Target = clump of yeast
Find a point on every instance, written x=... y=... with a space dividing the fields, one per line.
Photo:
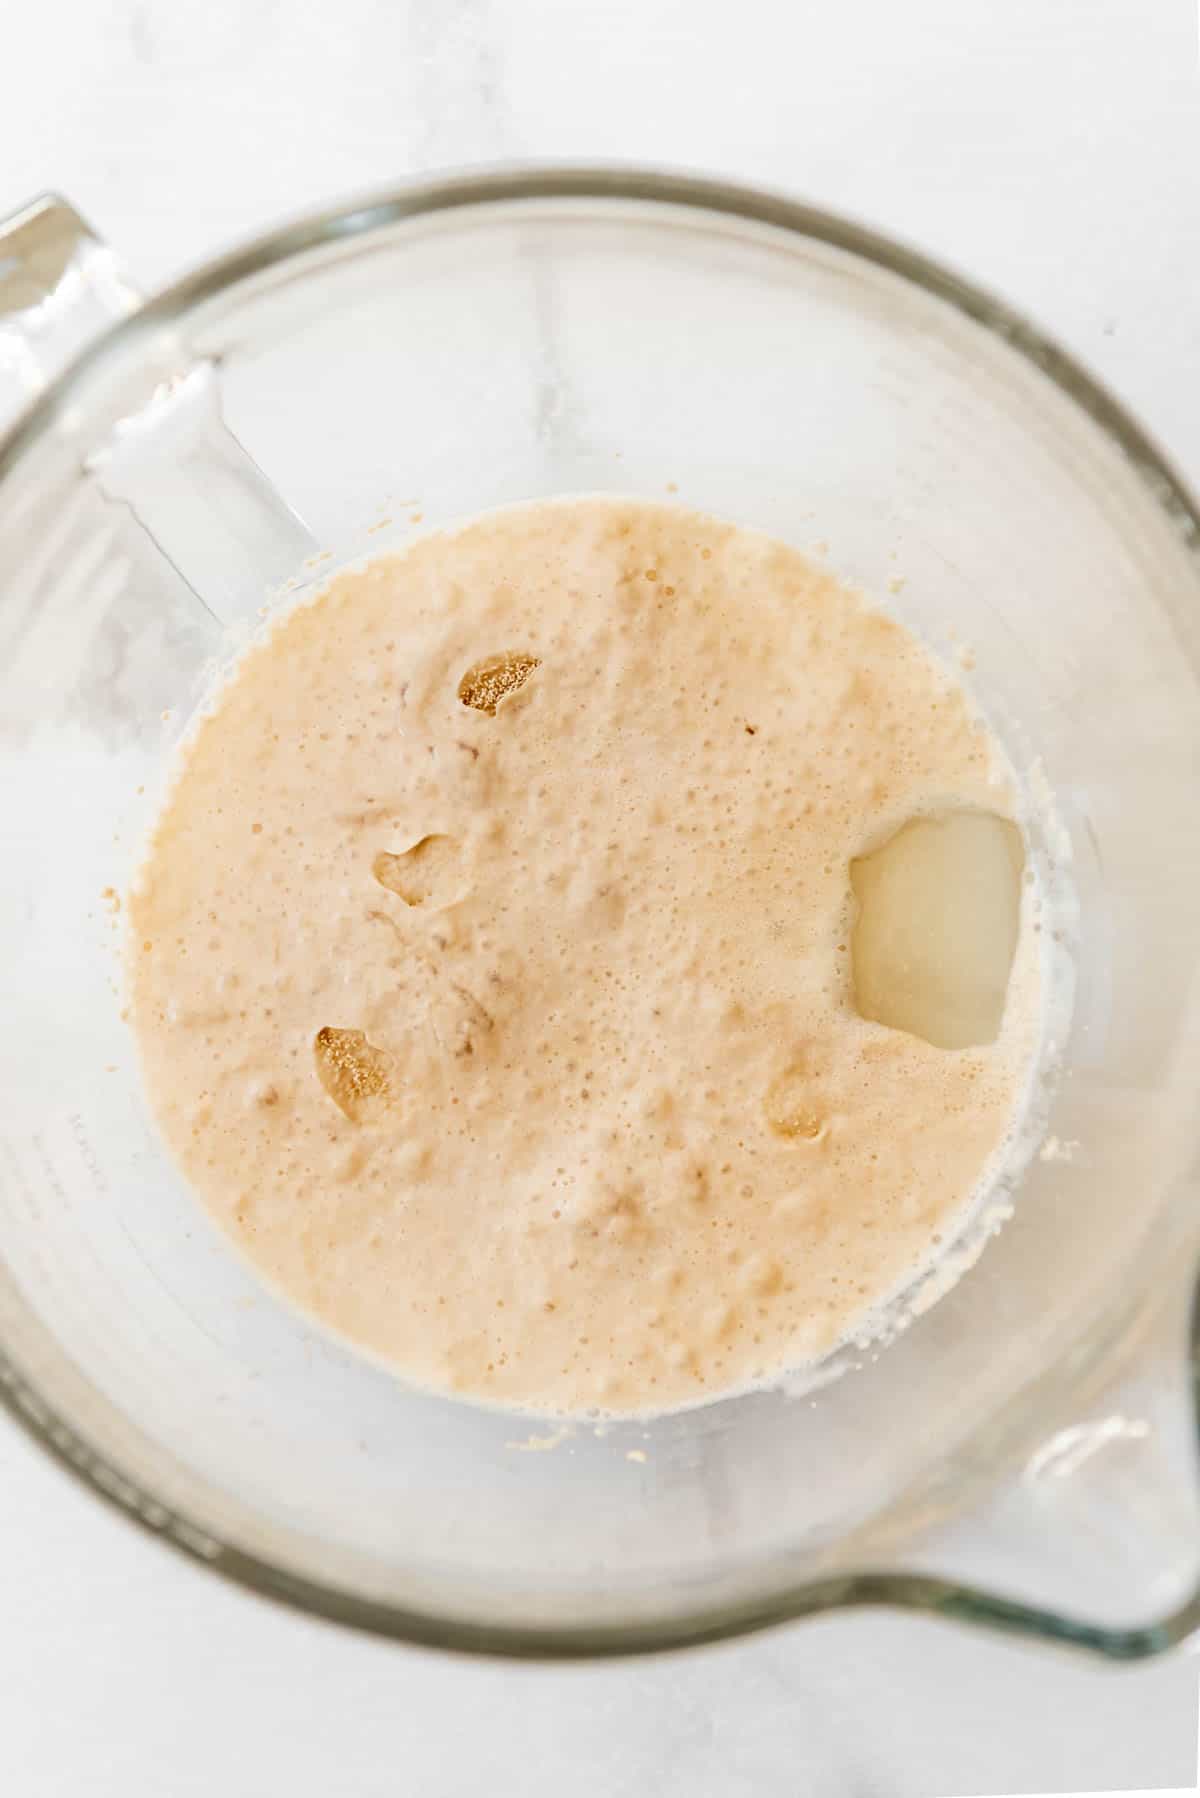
x=492 y=680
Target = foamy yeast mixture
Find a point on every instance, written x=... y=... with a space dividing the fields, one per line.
x=491 y=962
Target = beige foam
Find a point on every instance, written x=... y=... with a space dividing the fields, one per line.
x=506 y=1018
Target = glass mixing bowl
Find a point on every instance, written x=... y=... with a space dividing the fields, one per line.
x=1023 y=1454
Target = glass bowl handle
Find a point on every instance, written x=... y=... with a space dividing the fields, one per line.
x=174 y=461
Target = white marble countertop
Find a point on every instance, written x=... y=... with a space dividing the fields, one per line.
x=1049 y=147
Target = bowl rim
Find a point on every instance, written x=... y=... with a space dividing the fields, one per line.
x=648 y=187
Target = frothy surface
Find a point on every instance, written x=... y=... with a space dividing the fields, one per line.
x=491 y=960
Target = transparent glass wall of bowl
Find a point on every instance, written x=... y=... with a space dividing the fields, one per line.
x=406 y=377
